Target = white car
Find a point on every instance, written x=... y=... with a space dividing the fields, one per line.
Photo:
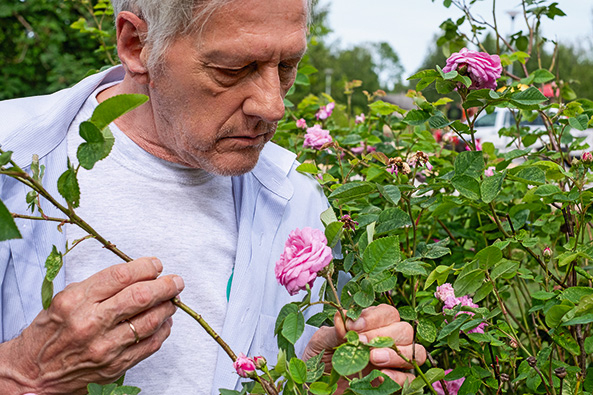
x=488 y=126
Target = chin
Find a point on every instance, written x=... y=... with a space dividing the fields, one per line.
x=231 y=164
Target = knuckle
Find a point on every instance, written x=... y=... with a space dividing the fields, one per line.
x=99 y=353
x=121 y=274
x=65 y=302
x=153 y=322
x=141 y=295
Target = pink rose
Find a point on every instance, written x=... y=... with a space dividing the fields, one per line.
x=489 y=172
x=301 y=123
x=260 y=362
x=244 y=366
x=444 y=292
x=483 y=69
x=359 y=119
x=363 y=148
x=478 y=146
x=452 y=386
x=305 y=254
x=587 y=157
x=316 y=137
x=325 y=111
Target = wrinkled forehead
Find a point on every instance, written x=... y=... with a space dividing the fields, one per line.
x=245 y=16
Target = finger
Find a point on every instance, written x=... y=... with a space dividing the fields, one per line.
x=137 y=352
x=325 y=338
x=401 y=332
x=388 y=358
x=141 y=296
x=399 y=377
x=112 y=280
x=145 y=324
x=373 y=317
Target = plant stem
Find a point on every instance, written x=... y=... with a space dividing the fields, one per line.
x=328 y=277
x=417 y=368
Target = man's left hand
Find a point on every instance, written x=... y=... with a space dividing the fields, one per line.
x=375 y=321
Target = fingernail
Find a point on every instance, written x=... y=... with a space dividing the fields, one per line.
x=363 y=338
x=380 y=355
x=179 y=283
x=157 y=265
x=357 y=325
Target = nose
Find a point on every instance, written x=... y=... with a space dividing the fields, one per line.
x=266 y=98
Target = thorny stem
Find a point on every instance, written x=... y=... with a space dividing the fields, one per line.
x=25 y=178
x=338 y=305
x=417 y=368
x=33 y=218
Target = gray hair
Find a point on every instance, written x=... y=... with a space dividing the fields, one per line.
x=168 y=19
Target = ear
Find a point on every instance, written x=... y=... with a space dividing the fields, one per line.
x=131 y=33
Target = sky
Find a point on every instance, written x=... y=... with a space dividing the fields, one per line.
x=410 y=25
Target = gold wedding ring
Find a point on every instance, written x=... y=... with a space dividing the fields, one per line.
x=136 y=337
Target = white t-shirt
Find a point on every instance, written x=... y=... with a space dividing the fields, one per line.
x=147 y=206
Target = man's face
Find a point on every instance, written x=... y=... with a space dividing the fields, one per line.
x=219 y=96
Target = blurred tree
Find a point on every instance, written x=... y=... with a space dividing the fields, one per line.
x=41 y=53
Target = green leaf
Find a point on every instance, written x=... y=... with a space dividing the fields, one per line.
x=439 y=121
x=584 y=319
x=353 y=191
x=297 y=370
x=315 y=368
x=542 y=76
x=392 y=219
x=469 y=163
x=68 y=187
x=5 y=158
x=439 y=274
x=383 y=108
x=366 y=296
x=381 y=254
x=532 y=175
x=8 y=228
x=488 y=257
x=348 y=359
x=293 y=327
x=97 y=389
x=309 y=168
x=491 y=187
x=424 y=74
x=321 y=388
x=391 y=193
x=126 y=390
x=53 y=264
x=114 y=107
x=97 y=146
x=467 y=186
x=427 y=330
x=416 y=117
x=528 y=98
x=365 y=386
x=328 y=216
x=47 y=293
x=564 y=339
x=469 y=282
x=555 y=314
x=381 y=342
x=579 y=122
x=503 y=268
x=333 y=233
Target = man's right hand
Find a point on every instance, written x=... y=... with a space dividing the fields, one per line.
x=83 y=336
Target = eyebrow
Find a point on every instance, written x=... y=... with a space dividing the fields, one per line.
x=215 y=56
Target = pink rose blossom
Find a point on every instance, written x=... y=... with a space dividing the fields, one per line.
x=483 y=69
x=325 y=111
x=547 y=252
x=450 y=137
x=316 y=137
x=444 y=292
x=587 y=157
x=305 y=254
x=359 y=119
x=244 y=366
x=489 y=172
x=363 y=148
x=452 y=386
x=301 y=123
x=478 y=146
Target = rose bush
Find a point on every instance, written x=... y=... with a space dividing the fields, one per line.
x=485 y=252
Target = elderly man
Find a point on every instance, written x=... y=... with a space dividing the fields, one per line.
x=190 y=180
